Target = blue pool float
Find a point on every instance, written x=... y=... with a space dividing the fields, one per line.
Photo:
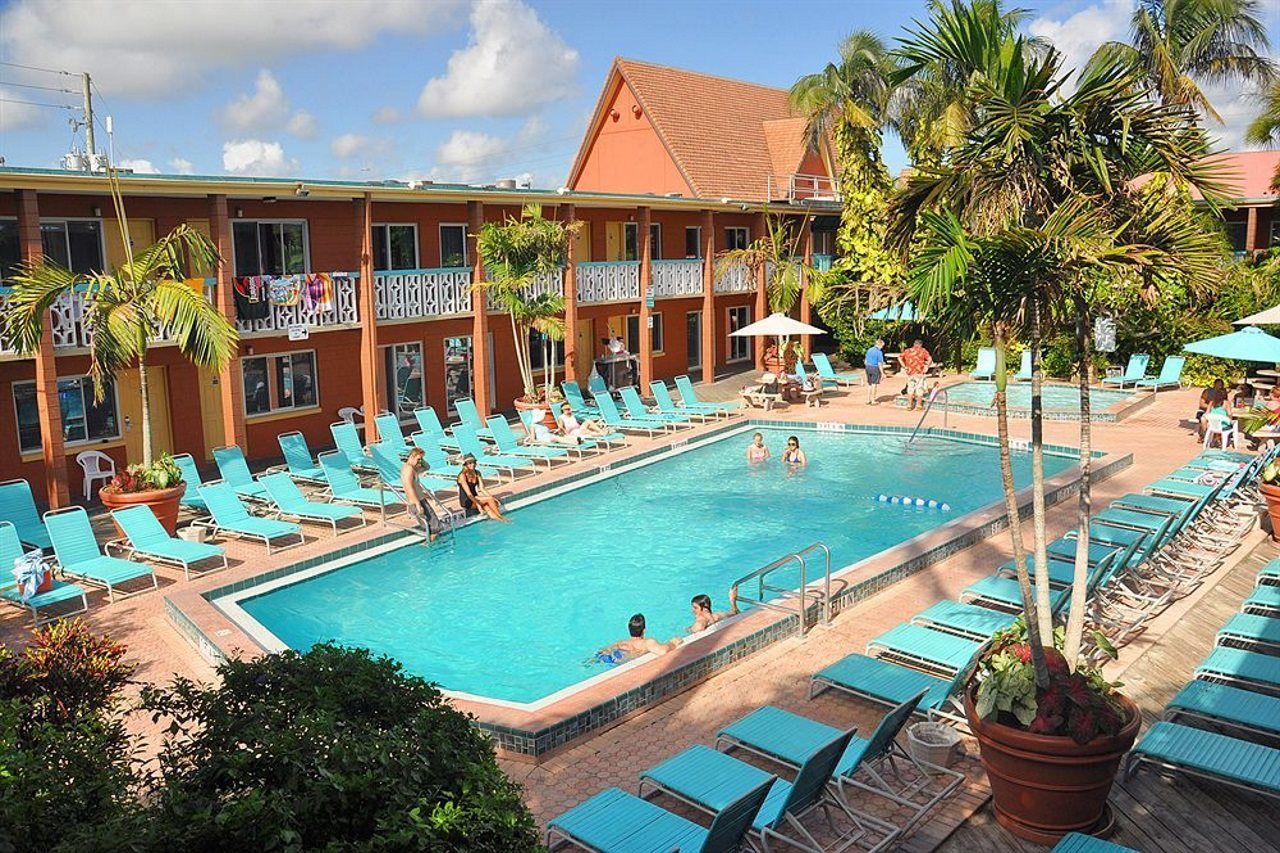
x=924 y=503
x=612 y=658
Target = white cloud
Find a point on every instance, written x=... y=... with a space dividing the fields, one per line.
x=387 y=115
x=512 y=66
x=165 y=47
x=267 y=108
x=302 y=124
x=1079 y=35
x=182 y=166
x=141 y=167
x=258 y=158
x=468 y=155
x=348 y=145
x=14 y=115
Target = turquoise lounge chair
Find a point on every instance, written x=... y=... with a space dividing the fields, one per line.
x=429 y=423
x=888 y=683
x=234 y=471
x=667 y=405
x=1250 y=670
x=191 y=476
x=345 y=488
x=76 y=549
x=389 y=463
x=594 y=444
x=229 y=515
x=827 y=373
x=1170 y=375
x=612 y=417
x=470 y=418
x=145 y=536
x=636 y=409
x=1078 y=842
x=18 y=507
x=688 y=396
x=297 y=458
x=291 y=503
x=925 y=648
x=11 y=550
x=507 y=443
x=437 y=459
x=597 y=387
x=1224 y=706
x=1024 y=370
x=967 y=620
x=390 y=436
x=573 y=394
x=471 y=444
x=614 y=821
x=986 y=366
x=1173 y=748
x=347 y=440
x=1135 y=372
x=1251 y=631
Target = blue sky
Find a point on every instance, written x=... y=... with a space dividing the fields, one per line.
x=469 y=90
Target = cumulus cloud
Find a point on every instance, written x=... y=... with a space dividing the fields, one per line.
x=14 y=115
x=267 y=108
x=164 y=47
x=257 y=158
x=471 y=155
x=182 y=166
x=1078 y=36
x=388 y=115
x=348 y=145
x=139 y=166
x=513 y=65
x=302 y=124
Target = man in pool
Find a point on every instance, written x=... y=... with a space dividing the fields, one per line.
x=873 y=361
x=415 y=496
x=704 y=617
x=637 y=644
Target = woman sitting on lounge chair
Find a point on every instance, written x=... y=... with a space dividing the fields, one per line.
x=472 y=494
x=578 y=430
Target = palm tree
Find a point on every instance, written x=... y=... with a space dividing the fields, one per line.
x=127 y=308
x=1265 y=129
x=1178 y=44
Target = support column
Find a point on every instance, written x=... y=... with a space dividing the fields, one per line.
x=708 y=297
x=643 y=236
x=806 y=310
x=230 y=379
x=368 y=306
x=1251 y=232
x=568 y=213
x=762 y=293
x=47 y=406
x=480 y=310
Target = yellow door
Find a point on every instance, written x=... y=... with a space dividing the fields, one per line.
x=582 y=244
x=615 y=241
x=130 y=395
x=585 y=348
x=211 y=411
x=142 y=233
x=201 y=225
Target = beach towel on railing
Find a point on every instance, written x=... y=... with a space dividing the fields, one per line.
x=250 y=298
x=29 y=572
x=285 y=290
x=318 y=293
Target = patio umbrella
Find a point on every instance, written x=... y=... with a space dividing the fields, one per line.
x=776 y=324
x=1248 y=344
x=904 y=311
x=1269 y=317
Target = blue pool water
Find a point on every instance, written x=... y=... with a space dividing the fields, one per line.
x=513 y=611
x=1056 y=397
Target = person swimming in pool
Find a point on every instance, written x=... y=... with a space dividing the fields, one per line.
x=637 y=644
x=756 y=450
x=793 y=455
x=704 y=617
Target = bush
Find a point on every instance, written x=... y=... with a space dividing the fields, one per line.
x=330 y=749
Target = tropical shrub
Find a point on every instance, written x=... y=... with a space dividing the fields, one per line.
x=161 y=474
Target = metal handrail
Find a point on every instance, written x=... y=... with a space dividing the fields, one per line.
x=802 y=597
x=928 y=407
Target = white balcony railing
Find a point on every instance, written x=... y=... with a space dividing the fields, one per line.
x=608 y=281
x=341 y=309
x=737 y=278
x=677 y=278
x=420 y=294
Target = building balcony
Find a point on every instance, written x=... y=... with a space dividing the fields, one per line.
x=736 y=278
x=417 y=294
x=608 y=281
x=677 y=278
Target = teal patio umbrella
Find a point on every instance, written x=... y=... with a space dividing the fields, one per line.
x=903 y=311
x=1248 y=344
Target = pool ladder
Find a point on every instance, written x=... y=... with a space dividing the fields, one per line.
x=796 y=600
x=448 y=518
x=928 y=407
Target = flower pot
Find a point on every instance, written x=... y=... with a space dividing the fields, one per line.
x=46 y=583
x=163 y=502
x=1044 y=786
x=548 y=417
x=1271 y=494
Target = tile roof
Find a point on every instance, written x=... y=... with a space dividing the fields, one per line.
x=1251 y=175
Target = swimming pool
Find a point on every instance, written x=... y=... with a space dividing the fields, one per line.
x=513 y=612
x=1057 y=397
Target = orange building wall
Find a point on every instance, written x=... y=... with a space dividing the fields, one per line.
x=626 y=155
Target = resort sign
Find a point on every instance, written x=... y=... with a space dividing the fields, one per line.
x=299 y=332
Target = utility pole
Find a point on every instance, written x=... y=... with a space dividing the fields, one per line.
x=88 y=120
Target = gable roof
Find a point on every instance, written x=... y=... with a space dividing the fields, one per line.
x=1251 y=175
x=727 y=137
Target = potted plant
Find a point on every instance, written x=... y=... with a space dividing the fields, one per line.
x=159 y=485
x=1269 y=485
x=124 y=309
x=516 y=253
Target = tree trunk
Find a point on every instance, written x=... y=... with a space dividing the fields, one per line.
x=1080 y=578
x=1043 y=609
x=522 y=356
x=144 y=390
x=1011 y=509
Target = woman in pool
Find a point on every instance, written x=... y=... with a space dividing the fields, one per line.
x=793 y=455
x=578 y=430
x=472 y=494
x=756 y=450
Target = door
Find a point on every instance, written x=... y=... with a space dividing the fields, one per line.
x=211 y=411
x=582 y=244
x=142 y=233
x=693 y=339
x=131 y=411
x=615 y=241
x=584 y=348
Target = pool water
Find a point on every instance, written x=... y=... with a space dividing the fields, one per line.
x=515 y=611
x=1056 y=397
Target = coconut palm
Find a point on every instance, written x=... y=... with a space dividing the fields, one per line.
x=126 y=309
x=1176 y=45
x=1265 y=129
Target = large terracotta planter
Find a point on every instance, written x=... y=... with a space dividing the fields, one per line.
x=1044 y=786
x=548 y=417
x=1271 y=494
x=163 y=502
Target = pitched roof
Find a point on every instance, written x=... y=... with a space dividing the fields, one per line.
x=1251 y=175
x=727 y=137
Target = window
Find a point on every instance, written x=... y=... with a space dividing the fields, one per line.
x=279 y=382
x=1236 y=235
x=656 y=332
x=453 y=245
x=824 y=242
x=693 y=241
x=633 y=333
x=75 y=244
x=83 y=420
x=739 y=348
x=457 y=371
x=538 y=351
x=10 y=248
x=395 y=247
x=693 y=339
x=630 y=243
x=269 y=248
x=735 y=238
x=655 y=240
x=1275 y=233
x=402 y=368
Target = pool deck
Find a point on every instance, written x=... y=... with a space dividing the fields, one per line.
x=1158 y=437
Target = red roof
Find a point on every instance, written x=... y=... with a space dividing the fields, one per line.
x=1251 y=175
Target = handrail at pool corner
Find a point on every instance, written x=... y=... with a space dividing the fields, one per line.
x=802 y=596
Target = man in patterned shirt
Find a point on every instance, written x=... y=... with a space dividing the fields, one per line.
x=916 y=361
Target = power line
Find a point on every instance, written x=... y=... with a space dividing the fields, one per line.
x=33 y=86
x=36 y=104
x=36 y=68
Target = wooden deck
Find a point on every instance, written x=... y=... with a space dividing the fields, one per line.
x=1178 y=815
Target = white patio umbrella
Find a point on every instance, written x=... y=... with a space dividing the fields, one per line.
x=1269 y=317
x=776 y=324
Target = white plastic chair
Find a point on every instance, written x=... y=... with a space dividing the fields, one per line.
x=1223 y=426
x=350 y=413
x=97 y=466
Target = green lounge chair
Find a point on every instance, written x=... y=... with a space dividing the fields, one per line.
x=924 y=648
x=596 y=386
x=986 y=366
x=828 y=374
x=635 y=408
x=389 y=463
x=191 y=476
x=506 y=442
x=291 y=503
x=18 y=507
x=1024 y=369
x=471 y=445
x=76 y=549
x=10 y=551
x=614 y=821
x=1268 y=575
x=1251 y=670
x=437 y=459
x=1002 y=593
x=573 y=395
x=612 y=417
x=1170 y=747
x=687 y=396
x=1134 y=372
x=298 y=461
x=347 y=440
x=967 y=620
x=1224 y=706
x=1078 y=842
x=470 y=418
x=345 y=488
x=887 y=683
x=1170 y=375
x=229 y=515
x=145 y=536
x=234 y=471
x=429 y=423
x=667 y=405
x=608 y=439
x=390 y=436
x=1251 y=631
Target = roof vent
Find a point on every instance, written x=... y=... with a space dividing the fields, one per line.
x=506 y=184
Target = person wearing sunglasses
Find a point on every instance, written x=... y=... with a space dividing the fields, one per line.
x=793 y=455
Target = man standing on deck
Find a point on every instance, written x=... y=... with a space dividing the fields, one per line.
x=874 y=364
x=916 y=361
x=415 y=496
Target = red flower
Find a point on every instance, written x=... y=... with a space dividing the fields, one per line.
x=1023 y=652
